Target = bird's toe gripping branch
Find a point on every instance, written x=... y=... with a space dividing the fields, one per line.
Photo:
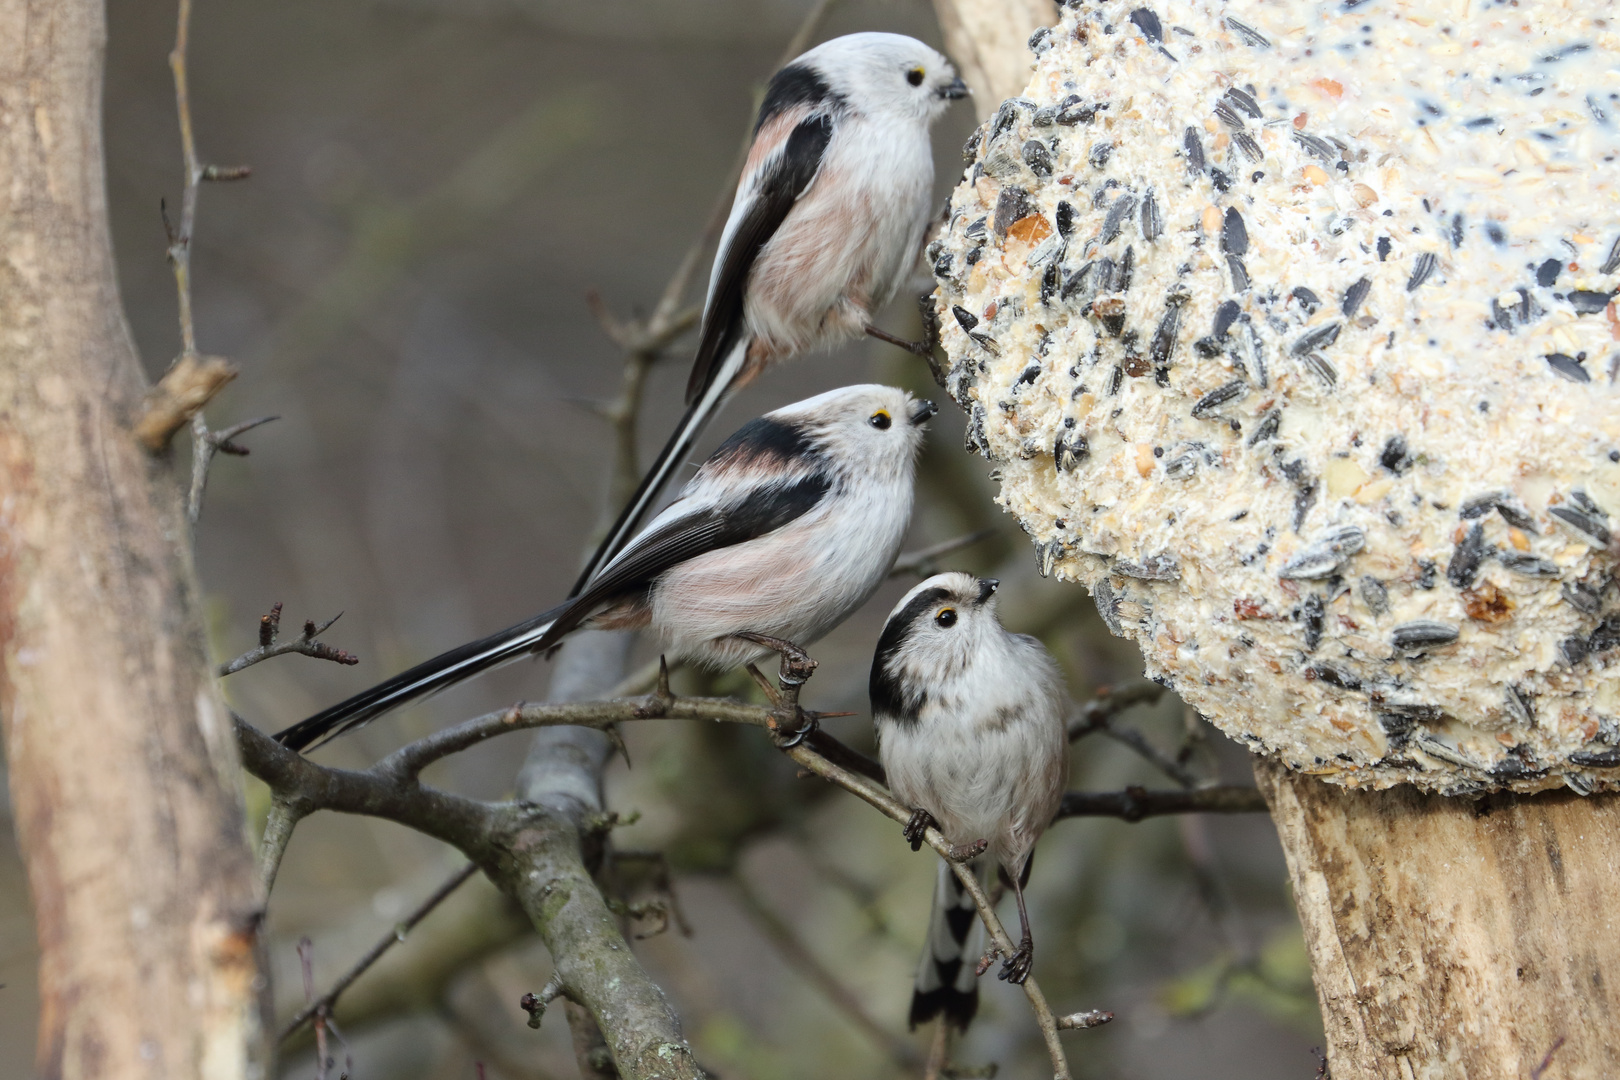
x=790 y=724
x=1015 y=969
x=921 y=821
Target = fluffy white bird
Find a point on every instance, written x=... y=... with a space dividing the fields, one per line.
x=783 y=532
x=970 y=727
x=827 y=222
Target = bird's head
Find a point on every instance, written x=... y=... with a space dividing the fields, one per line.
x=886 y=75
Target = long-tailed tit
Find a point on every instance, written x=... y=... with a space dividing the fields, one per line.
x=782 y=533
x=827 y=222
x=970 y=727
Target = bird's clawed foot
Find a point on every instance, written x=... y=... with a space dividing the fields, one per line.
x=790 y=725
x=921 y=821
x=1015 y=969
x=918 y=348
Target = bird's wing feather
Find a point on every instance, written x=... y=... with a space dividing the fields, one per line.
x=685 y=532
x=764 y=200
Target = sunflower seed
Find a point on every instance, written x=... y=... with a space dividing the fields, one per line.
x=1267 y=429
x=1315 y=616
x=1065 y=219
x=1529 y=565
x=1103 y=595
x=1318 y=147
x=1321 y=367
x=1152 y=218
x=1435 y=748
x=1243 y=101
x=1307 y=299
x=1159 y=567
x=1070 y=451
x=1225 y=316
x=1099 y=154
x=1422 y=267
x=1037 y=157
x=1573 y=650
x=1592 y=527
x=1595 y=759
x=1251 y=149
x=1612 y=263
x=1147 y=22
x=1567 y=366
x=1519 y=705
x=1423 y=634
x=1354 y=295
x=1374 y=595
x=1195 y=151
x=964 y=318
x=1218 y=397
x=1466 y=557
x=1117 y=214
x=1240 y=273
x=1588 y=302
x=1234 y=234
x=1325 y=554
x=1333 y=675
x=1249 y=34
x=1320 y=338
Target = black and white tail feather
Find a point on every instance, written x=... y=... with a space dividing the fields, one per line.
x=827 y=222
x=784 y=531
x=947 y=980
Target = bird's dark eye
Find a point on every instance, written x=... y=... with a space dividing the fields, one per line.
x=915 y=76
x=881 y=420
x=946 y=617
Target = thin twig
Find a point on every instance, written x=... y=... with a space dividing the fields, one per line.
x=924 y=563
x=805 y=963
x=325 y=1004
x=304 y=644
x=1135 y=803
x=202 y=446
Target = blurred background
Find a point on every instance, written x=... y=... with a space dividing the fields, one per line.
x=436 y=187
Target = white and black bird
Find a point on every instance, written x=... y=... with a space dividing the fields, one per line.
x=827 y=223
x=971 y=732
x=784 y=531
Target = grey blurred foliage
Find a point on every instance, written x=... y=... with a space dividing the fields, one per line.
x=436 y=186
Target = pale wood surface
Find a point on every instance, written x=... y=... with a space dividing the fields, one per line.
x=1456 y=938
x=989 y=42
x=123 y=768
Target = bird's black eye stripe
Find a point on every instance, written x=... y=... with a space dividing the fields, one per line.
x=881 y=420
x=946 y=617
x=915 y=76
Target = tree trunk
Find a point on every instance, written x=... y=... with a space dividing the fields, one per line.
x=124 y=774
x=1456 y=938
x=989 y=41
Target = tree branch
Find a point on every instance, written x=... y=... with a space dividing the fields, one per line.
x=323 y=1005
x=305 y=644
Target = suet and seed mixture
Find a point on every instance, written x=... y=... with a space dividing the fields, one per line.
x=1291 y=331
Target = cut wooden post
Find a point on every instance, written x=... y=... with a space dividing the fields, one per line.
x=1455 y=937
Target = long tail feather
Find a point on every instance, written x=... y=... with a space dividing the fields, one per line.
x=669 y=461
x=428 y=677
x=947 y=983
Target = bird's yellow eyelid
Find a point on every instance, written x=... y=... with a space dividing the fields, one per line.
x=883 y=413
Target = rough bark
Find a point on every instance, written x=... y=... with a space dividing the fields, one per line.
x=124 y=773
x=1456 y=938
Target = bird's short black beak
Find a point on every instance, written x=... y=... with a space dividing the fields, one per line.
x=922 y=410
x=954 y=90
x=987 y=588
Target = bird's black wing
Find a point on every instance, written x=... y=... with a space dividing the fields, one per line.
x=763 y=510
x=787 y=177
